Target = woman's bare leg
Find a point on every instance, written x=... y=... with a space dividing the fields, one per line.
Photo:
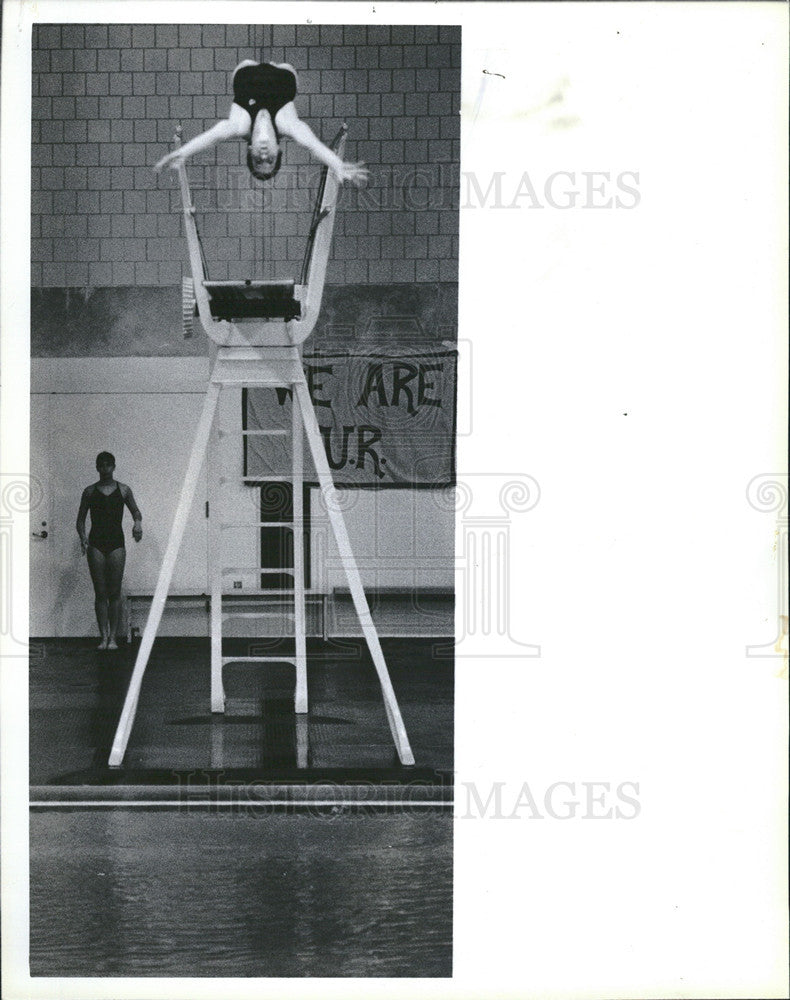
x=96 y=565
x=114 y=565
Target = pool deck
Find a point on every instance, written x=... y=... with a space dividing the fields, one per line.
x=258 y=752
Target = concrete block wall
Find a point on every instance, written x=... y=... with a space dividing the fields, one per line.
x=107 y=98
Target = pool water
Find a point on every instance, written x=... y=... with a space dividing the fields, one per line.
x=118 y=892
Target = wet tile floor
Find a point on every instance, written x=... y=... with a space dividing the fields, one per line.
x=76 y=694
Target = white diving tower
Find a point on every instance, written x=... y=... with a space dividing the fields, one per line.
x=258 y=327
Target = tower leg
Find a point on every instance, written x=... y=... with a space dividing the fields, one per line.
x=297 y=489
x=215 y=568
x=165 y=575
x=316 y=445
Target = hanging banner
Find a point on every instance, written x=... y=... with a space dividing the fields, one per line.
x=386 y=420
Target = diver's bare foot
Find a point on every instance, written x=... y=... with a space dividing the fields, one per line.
x=112 y=644
x=102 y=644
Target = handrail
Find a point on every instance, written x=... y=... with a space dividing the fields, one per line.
x=319 y=245
x=320 y=213
x=186 y=197
x=197 y=259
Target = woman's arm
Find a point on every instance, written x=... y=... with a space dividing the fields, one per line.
x=83 y=513
x=235 y=126
x=134 y=510
x=290 y=124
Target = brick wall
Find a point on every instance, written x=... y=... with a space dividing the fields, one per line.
x=107 y=98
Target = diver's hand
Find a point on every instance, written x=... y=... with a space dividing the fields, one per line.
x=173 y=160
x=355 y=173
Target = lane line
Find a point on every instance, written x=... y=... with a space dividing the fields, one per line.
x=230 y=804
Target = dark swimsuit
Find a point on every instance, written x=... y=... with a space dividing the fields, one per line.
x=106 y=533
x=263 y=86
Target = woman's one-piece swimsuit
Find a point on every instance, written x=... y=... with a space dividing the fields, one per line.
x=263 y=86
x=106 y=533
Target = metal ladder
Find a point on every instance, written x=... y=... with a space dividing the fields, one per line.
x=217 y=526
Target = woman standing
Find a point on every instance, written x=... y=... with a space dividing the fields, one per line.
x=262 y=112
x=105 y=545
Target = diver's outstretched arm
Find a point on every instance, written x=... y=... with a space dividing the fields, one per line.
x=235 y=126
x=290 y=124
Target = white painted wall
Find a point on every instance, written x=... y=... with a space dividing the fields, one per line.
x=144 y=410
x=400 y=538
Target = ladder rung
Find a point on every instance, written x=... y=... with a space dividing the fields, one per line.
x=265 y=478
x=259 y=659
x=243 y=381
x=277 y=284
x=256 y=524
x=278 y=431
x=256 y=614
x=272 y=591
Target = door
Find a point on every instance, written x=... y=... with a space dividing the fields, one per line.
x=41 y=561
